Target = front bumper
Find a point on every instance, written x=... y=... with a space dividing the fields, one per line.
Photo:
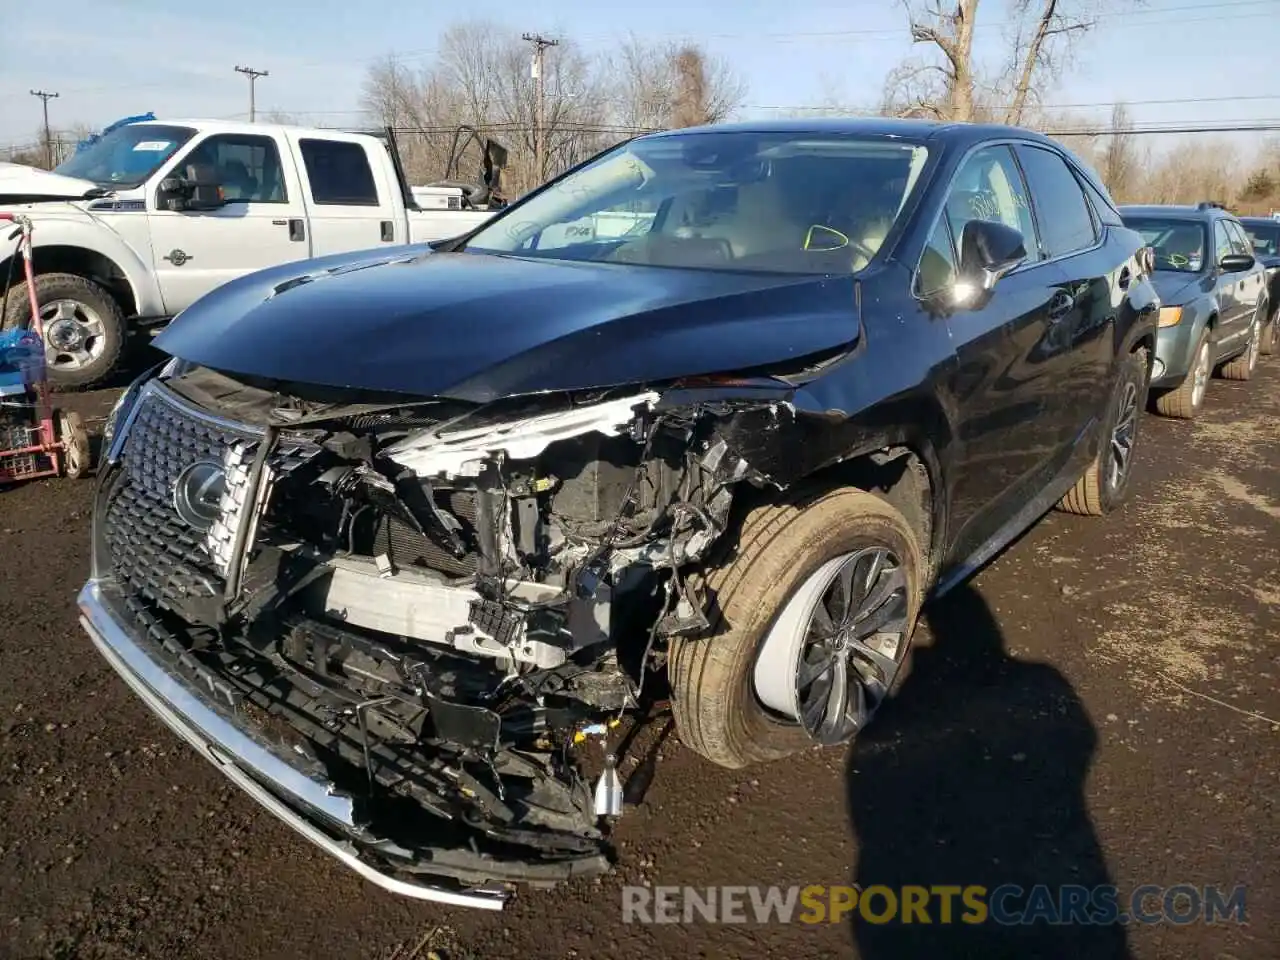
x=312 y=807
x=1175 y=349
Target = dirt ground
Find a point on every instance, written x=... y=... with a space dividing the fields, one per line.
x=1100 y=705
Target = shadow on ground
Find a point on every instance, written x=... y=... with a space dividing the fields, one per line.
x=975 y=775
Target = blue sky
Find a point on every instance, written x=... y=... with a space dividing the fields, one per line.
x=113 y=58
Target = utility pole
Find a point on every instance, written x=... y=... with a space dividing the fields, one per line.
x=46 y=96
x=253 y=76
x=540 y=45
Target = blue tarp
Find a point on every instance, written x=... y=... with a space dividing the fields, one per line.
x=21 y=357
x=94 y=138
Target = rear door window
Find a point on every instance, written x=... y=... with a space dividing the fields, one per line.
x=1062 y=212
x=339 y=173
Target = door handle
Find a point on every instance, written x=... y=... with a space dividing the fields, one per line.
x=388 y=231
x=1060 y=305
x=1124 y=278
x=297 y=230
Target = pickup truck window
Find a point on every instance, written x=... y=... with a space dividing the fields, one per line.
x=127 y=156
x=248 y=167
x=339 y=173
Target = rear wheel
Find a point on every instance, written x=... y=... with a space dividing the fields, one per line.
x=1242 y=367
x=812 y=624
x=1103 y=485
x=1187 y=400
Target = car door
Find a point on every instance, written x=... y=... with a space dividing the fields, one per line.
x=259 y=225
x=1078 y=347
x=1252 y=284
x=1002 y=388
x=349 y=196
x=1230 y=305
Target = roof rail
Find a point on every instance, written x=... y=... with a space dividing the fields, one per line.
x=1211 y=205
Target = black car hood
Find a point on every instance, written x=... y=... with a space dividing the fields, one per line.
x=1175 y=289
x=479 y=327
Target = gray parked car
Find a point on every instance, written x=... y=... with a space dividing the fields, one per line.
x=1214 y=293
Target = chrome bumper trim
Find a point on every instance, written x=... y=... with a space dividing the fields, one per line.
x=231 y=750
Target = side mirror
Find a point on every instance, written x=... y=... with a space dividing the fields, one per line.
x=198 y=190
x=204 y=192
x=989 y=251
x=1236 y=263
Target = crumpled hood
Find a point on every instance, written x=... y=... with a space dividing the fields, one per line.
x=21 y=184
x=479 y=327
x=1175 y=289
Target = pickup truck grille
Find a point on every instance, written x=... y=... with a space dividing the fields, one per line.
x=154 y=552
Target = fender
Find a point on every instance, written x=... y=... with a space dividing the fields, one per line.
x=84 y=231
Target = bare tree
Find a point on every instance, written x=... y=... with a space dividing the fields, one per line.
x=672 y=85
x=947 y=82
x=1121 y=159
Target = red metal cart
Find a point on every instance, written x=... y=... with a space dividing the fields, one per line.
x=35 y=440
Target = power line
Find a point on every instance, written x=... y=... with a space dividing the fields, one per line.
x=878 y=33
x=253 y=76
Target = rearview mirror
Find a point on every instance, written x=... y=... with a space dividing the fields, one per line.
x=1236 y=263
x=988 y=251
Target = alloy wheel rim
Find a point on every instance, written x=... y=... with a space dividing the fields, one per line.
x=1123 y=436
x=1201 y=376
x=833 y=653
x=74 y=334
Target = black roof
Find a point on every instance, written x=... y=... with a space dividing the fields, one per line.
x=957 y=134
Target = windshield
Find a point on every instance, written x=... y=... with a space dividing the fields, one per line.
x=1265 y=239
x=1179 y=244
x=127 y=156
x=757 y=202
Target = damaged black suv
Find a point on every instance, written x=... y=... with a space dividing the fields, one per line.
x=707 y=418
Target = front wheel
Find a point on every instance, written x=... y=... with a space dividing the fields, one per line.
x=1104 y=484
x=1186 y=401
x=812 y=624
x=84 y=328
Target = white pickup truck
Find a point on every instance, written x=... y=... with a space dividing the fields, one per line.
x=136 y=227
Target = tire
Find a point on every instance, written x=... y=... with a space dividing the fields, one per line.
x=87 y=308
x=1186 y=402
x=779 y=549
x=1101 y=489
x=75 y=443
x=1242 y=367
x=1268 y=346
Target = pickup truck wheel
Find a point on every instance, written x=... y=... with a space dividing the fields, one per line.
x=84 y=328
x=1103 y=485
x=1186 y=401
x=811 y=623
x=1242 y=367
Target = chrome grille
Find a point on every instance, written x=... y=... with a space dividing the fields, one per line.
x=153 y=552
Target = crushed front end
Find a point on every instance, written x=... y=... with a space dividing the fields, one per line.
x=390 y=621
